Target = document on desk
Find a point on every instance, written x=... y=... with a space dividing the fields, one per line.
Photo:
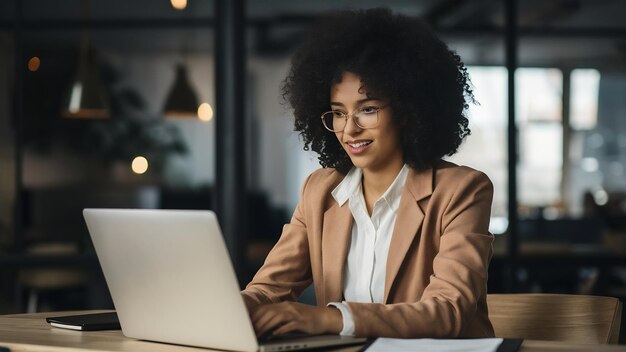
x=435 y=345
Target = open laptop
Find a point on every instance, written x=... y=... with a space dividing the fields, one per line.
x=171 y=280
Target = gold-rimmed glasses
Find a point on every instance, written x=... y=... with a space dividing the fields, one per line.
x=364 y=117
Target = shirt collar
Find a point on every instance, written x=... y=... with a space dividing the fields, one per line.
x=393 y=194
x=351 y=185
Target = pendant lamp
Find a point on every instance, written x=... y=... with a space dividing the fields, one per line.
x=181 y=100
x=85 y=97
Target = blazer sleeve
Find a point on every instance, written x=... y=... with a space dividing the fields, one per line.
x=459 y=276
x=286 y=271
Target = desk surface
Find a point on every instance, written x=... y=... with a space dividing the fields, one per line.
x=30 y=332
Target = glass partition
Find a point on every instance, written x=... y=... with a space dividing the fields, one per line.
x=116 y=113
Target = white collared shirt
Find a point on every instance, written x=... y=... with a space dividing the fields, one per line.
x=366 y=264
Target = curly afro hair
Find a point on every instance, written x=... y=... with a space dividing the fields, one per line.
x=396 y=57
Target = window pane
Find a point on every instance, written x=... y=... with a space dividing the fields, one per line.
x=540 y=164
x=585 y=85
x=597 y=152
x=539 y=107
x=539 y=93
x=486 y=148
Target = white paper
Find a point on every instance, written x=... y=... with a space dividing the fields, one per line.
x=435 y=345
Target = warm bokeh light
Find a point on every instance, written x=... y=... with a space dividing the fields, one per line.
x=179 y=4
x=205 y=112
x=140 y=165
x=34 y=63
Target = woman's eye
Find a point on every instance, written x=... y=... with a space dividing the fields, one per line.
x=369 y=109
x=339 y=113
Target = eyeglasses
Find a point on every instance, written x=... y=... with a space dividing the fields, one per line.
x=365 y=117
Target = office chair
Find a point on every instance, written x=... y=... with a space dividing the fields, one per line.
x=556 y=317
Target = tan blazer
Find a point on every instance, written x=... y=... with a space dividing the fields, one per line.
x=436 y=278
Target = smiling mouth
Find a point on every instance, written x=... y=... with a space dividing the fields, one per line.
x=359 y=144
x=356 y=148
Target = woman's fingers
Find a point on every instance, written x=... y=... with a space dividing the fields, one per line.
x=273 y=317
x=285 y=317
x=268 y=323
x=288 y=327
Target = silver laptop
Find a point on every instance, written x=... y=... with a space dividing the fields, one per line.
x=171 y=280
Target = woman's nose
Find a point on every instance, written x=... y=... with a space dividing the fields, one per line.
x=351 y=126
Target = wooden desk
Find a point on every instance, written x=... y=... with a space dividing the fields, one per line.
x=30 y=332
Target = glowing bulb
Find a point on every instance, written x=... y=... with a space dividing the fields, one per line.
x=179 y=4
x=205 y=112
x=33 y=64
x=140 y=165
x=601 y=197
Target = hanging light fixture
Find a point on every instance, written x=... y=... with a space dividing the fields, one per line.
x=85 y=97
x=181 y=100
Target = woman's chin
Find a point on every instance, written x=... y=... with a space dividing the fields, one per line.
x=360 y=163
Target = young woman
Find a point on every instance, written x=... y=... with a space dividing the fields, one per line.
x=394 y=240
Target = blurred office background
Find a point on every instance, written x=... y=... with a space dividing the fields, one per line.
x=176 y=105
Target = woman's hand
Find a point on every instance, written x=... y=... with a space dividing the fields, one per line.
x=286 y=317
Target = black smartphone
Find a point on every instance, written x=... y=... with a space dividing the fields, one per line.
x=86 y=322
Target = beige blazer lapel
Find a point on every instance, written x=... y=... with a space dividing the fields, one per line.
x=419 y=185
x=337 y=230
